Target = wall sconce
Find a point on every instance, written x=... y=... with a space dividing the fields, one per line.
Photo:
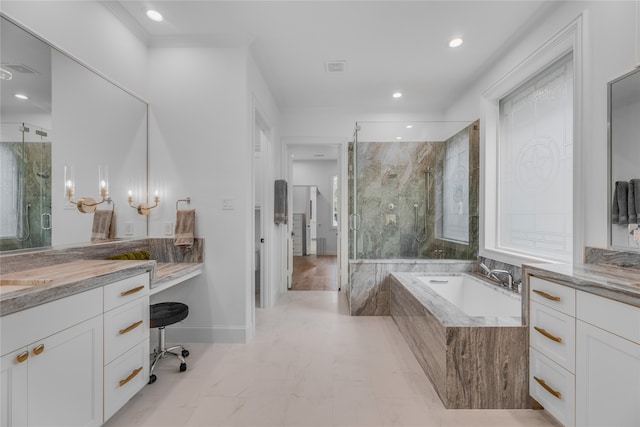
x=86 y=204
x=142 y=207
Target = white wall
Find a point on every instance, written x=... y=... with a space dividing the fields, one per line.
x=320 y=173
x=609 y=51
x=89 y=32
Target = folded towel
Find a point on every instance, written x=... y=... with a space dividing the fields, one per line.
x=631 y=204
x=280 y=203
x=636 y=200
x=185 y=228
x=103 y=225
x=619 y=211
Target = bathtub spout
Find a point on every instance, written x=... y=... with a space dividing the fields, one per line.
x=509 y=283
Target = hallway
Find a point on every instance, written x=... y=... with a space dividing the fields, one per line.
x=315 y=273
x=310 y=364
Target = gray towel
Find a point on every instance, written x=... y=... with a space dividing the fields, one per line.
x=619 y=211
x=636 y=200
x=280 y=203
x=185 y=228
x=631 y=204
x=103 y=227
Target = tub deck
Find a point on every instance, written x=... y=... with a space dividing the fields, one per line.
x=472 y=362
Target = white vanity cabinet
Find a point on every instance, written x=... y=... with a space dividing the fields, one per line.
x=584 y=364
x=76 y=360
x=51 y=363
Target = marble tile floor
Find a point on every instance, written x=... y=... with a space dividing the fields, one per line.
x=310 y=364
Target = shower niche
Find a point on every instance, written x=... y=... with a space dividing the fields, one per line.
x=414 y=190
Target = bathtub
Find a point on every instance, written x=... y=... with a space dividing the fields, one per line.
x=475 y=297
x=467 y=335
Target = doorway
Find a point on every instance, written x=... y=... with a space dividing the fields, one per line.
x=314 y=172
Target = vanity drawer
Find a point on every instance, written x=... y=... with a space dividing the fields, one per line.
x=124 y=377
x=124 y=327
x=553 y=387
x=559 y=297
x=554 y=334
x=613 y=316
x=123 y=291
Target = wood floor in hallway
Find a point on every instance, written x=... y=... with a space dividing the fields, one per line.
x=315 y=273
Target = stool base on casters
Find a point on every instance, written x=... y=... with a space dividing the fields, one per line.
x=162 y=351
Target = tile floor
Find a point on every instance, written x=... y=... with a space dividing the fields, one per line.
x=310 y=364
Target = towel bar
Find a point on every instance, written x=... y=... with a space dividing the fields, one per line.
x=188 y=200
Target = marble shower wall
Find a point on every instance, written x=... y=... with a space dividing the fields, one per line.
x=391 y=179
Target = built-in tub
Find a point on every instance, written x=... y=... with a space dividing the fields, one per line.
x=468 y=336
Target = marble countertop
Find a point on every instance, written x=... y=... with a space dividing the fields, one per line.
x=28 y=288
x=610 y=281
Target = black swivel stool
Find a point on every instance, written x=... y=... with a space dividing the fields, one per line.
x=164 y=314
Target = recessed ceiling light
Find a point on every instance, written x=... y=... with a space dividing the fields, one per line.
x=154 y=15
x=21 y=96
x=292 y=155
x=398 y=137
x=397 y=95
x=455 y=42
x=409 y=126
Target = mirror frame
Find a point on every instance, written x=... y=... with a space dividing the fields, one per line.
x=610 y=155
x=112 y=82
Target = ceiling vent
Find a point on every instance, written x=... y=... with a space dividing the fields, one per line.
x=336 y=66
x=20 y=68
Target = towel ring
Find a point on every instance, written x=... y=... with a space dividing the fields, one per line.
x=110 y=201
x=188 y=200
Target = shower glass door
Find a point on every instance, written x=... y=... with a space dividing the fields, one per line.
x=25 y=196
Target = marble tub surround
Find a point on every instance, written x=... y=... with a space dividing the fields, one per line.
x=471 y=364
x=626 y=259
x=610 y=281
x=62 y=280
x=369 y=280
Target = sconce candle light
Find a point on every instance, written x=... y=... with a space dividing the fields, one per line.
x=86 y=204
x=143 y=208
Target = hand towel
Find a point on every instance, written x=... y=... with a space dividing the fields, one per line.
x=185 y=228
x=631 y=204
x=280 y=203
x=636 y=199
x=103 y=227
x=619 y=212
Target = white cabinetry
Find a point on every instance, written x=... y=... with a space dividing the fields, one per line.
x=584 y=356
x=75 y=361
x=126 y=341
x=52 y=373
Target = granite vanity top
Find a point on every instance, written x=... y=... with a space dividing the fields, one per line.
x=610 y=281
x=24 y=289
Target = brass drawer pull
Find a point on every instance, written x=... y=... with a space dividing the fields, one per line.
x=546 y=387
x=547 y=334
x=22 y=357
x=546 y=295
x=132 y=291
x=39 y=349
x=130 y=328
x=130 y=377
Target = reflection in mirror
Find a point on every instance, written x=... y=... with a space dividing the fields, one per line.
x=83 y=120
x=624 y=146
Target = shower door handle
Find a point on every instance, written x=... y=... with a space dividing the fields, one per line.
x=354 y=222
x=46 y=221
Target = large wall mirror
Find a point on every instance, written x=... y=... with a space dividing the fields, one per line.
x=624 y=165
x=71 y=117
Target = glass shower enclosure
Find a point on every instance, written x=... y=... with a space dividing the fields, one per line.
x=25 y=186
x=413 y=190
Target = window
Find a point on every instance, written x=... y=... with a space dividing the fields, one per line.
x=334 y=203
x=535 y=165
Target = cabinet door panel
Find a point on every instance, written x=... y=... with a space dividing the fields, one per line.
x=607 y=379
x=13 y=388
x=65 y=377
